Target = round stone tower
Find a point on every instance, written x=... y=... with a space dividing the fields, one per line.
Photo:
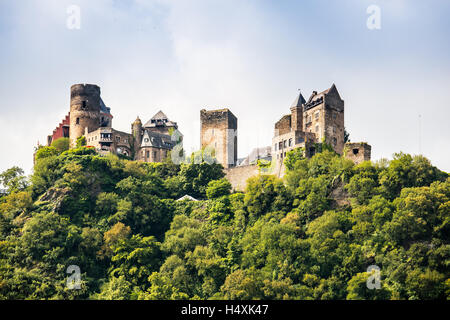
x=84 y=110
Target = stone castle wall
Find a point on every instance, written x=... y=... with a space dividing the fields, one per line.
x=218 y=132
x=357 y=151
x=238 y=175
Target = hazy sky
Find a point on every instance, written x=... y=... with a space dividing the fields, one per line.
x=250 y=56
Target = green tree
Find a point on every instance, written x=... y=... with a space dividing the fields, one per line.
x=13 y=179
x=218 y=188
x=61 y=144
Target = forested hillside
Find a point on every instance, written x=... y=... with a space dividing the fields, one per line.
x=311 y=235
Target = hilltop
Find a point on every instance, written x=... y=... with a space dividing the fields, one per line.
x=310 y=235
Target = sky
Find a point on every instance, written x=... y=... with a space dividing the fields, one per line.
x=250 y=56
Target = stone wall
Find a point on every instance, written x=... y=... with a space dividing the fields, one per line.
x=84 y=110
x=238 y=176
x=283 y=125
x=357 y=151
x=218 y=133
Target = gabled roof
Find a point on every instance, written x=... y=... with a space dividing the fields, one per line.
x=157 y=140
x=330 y=90
x=299 y=101
x=187 y=197
x=159 y=116
x=159 y=119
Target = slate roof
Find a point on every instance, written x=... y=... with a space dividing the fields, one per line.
x=299 y=101
x=104 y=108
x=159 y=119
x=157 y=140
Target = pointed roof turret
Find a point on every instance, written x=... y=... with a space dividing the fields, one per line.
x=137 y=121
x=299 y=101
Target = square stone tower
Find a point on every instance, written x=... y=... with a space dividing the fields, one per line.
x=357 y=151
x=324 y=116
x=218 y=136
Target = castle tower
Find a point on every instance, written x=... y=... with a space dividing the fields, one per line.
x=136 y=131
x=357 y=151
x=84 y=110
x=218 y=135
x=297 y=113
x=323 y=115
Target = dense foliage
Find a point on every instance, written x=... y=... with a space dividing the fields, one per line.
x=311 y=235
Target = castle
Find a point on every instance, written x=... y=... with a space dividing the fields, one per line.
x=318 y=119
x=89 y=117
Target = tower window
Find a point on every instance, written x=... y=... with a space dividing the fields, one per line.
x=290 y=142
x=78 y=121
x=148 y=154
x=83 y=105
x=316 y=115
x=355 y=151
x=317 y=128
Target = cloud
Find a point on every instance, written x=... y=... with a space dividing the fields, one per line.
x=250 y=56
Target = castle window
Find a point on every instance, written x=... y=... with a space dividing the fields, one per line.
x=154 y=155
x=146 y=140
x=280 y=145
x=83 y=105
x=334 y=115
x=148 y=154
x=117 y=138
x=334 y=141
x=355 y=151
x=290 y=142
x=78 y=121
x=284 y=144
x=317 y=128
x=309 y=119
x=316 y=115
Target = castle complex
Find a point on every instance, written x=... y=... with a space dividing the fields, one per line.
x=89 y=117
x=318 y=119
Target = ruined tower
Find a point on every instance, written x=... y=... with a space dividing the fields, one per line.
x=218 y=135
x=357 y=151
x=84 y=110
